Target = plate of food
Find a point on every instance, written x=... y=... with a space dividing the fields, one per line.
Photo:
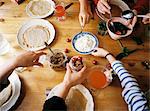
x=10 y=94
x=34 y=33
x=85 y=42
x=120 y=28
x=118 y=5
x=40 y=8
x=78 y=99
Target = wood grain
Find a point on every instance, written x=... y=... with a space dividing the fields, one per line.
x=37 y=80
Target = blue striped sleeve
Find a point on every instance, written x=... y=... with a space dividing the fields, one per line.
x=132 y=94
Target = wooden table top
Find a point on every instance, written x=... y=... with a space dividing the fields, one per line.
x=37 y=80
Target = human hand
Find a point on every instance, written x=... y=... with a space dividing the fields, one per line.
x=28 y=59
x=146 y=20
x=72 y=79
x=100 y=52
x=103 y=6
x=84 y=17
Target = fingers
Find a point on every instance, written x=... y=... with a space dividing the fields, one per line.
x=39 y=54
x=83 y=69
x=38 y=64
x=146 y=20
x=134 y=21
x=95 y=51
x=68 y=69
x=103 y=7
x=80 y=20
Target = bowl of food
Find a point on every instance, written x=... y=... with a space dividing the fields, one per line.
x=118 y=28
x=76 y=63
x=85 y=42
x=57 y=61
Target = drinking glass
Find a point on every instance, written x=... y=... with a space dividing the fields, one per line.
x=60 y=12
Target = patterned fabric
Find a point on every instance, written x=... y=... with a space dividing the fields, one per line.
x=132 y=94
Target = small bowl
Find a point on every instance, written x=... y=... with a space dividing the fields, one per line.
x=75 y=69
x=59 y=66
x=85 y=34
x=124 y=22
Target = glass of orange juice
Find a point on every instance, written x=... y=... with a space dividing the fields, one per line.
x=97 y=78
x=60 y=12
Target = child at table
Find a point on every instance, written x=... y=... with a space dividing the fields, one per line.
x=132 y=94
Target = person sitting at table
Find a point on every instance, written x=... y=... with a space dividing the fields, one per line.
x=132 y=94
x=103 y=7
x=25 y=59
x=71 y=79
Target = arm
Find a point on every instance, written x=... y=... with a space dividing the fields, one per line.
x=132 y=94
x=24 y=60
x=70 y=79
x=83 y=14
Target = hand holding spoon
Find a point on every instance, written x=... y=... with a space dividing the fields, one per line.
x=129 y=14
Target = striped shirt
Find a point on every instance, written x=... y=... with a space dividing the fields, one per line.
x=132 y=94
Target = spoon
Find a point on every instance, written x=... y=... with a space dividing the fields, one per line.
x=111 y=23
x=129 y=14
x=48 y=48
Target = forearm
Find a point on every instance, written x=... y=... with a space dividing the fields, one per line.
x=63 y=90
x=7 y=69
x=132 y=94
x=83 y=5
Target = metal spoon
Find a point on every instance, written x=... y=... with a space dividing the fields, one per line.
x=129 y=14
x=48 y=48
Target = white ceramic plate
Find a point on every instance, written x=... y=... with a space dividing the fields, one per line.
x=122 y=5
x=83 y=90
x=29 y=13
x=31 y=23
x=16 y=87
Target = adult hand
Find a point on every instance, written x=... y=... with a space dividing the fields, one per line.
x=100 y=52
x=103 y=6
x=84 y=17
x=146 y=20
x=28 y=59
x=72 y=79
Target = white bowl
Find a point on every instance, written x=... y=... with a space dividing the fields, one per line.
x=121 y=20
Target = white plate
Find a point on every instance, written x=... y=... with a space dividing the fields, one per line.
x=16 y=87
x=29 y=13
x=83 y=90
x=121 y=4
x=34 y=22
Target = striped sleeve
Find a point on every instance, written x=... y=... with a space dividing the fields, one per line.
x=132 y=94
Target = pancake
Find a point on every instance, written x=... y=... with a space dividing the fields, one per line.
x=75 y=100
x=35 y=36
x=5 y=94
x=40 y=7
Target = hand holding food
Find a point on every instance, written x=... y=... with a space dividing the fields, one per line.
x=146 y=20
x=28 y=59
x=73 y=79
x=100 y=52
x=103 y=6
x=76 y=63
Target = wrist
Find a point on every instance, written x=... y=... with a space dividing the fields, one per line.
x=66 y=85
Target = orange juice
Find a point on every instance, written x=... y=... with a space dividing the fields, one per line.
x=60 y=11
x=97 y=79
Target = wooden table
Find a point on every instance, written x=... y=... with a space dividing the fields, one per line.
x=37 y=80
